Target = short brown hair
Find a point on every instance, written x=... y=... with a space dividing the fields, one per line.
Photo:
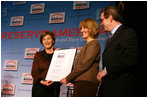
x=115 y=11
x=47 y=33
x=92 y=26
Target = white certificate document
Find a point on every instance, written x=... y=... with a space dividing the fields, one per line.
x=61 y=64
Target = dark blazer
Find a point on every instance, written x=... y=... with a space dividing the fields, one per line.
x=120 y=59
x=86 y=65
x=40 y=66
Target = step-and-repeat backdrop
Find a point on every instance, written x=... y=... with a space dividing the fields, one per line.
x=21 y=26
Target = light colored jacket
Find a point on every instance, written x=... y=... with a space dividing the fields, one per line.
x=87 y=63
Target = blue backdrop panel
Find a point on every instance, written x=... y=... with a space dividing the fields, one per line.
x=67 y=35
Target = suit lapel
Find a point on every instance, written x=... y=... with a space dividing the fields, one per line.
x=116 y=34
x=45 y=55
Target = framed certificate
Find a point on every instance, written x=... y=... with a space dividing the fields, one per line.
x=61 y=64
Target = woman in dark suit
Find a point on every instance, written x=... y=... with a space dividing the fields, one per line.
x=86 y=66
x=41 y=62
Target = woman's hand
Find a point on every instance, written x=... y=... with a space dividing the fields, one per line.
x=46 y=83
x=57 y=49
x=63 y=81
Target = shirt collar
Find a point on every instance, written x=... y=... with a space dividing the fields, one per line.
x=114 y=30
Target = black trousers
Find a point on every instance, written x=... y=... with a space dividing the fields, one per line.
x=39 y=90
x=85 y=89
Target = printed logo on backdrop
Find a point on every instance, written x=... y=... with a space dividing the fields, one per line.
x=30 y=52
x=70 y=84
x=8 y=89
x=27 y=78
x=37 y=8
x=19 y=2
x=10 y=64
x=80 y=5
x=57 y=17
x=17 y=21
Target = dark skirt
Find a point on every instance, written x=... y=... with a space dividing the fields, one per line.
x=85 y=89
x=39 y=90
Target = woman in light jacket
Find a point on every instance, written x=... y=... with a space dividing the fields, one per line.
x=86 y=66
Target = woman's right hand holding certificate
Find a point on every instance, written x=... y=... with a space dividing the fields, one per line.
x=63 y=81
x=46 y=83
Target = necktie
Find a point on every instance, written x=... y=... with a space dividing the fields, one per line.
x=110 y=35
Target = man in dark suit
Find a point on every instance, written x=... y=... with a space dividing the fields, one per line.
x=119 y=58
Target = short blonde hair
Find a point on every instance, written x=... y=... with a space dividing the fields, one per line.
x=92 y=25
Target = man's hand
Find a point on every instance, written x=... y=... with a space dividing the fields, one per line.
x=100 y=75
x=63 y=81
x=46 y=83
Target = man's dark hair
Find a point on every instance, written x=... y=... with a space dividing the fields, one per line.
x=114 y=11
